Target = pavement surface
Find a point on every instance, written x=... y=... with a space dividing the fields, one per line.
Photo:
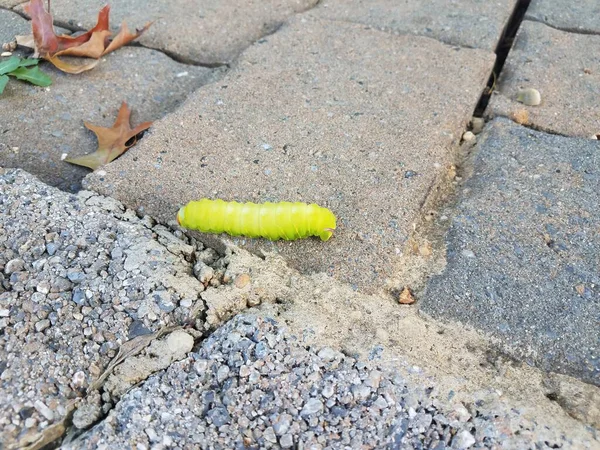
x=119 y=329
x=316 y=114
x=523 y=249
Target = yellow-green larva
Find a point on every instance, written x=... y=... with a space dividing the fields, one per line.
x=282 y=220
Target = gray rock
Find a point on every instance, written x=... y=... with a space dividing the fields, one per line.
x=42 y=325
x=463 y=440
x=312 y=406
x=286 y=441
x=529 y=210
x=219 y=416
x=14 y=265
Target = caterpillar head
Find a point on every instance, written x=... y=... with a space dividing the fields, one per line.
x=180 y=215
x=327 y=224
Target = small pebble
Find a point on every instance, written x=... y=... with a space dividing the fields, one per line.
x=529 y=97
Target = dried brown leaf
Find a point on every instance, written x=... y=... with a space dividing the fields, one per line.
x=124 y=37
x=112 y=142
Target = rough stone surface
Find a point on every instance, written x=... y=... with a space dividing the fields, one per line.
x=569 y=91
x=529 y=219
x=357 y=120
x=39 y=125
x=472 y=23
x=10 y=3
x=78 y=276
x=200 y=31
x=272 y=397
x=11 y=24
x=580 y=16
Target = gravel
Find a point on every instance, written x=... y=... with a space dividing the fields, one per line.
x=253 y=385
x=79 y=276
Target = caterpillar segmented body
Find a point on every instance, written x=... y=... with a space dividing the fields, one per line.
x=282 y=220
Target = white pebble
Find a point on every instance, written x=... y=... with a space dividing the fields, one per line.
x=529 y=97
x=468 y=136
x=468 y=254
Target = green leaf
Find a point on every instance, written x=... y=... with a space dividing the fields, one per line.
x=34 y=76
x=8 y=65
x=3 y=81
x=26 y=62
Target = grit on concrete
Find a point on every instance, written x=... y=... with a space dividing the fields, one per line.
x=45 y=124
x=523 y=249
x=251 y=385
x=471 y=23
x=322 y=111
x=207 y=32
x=569 y=91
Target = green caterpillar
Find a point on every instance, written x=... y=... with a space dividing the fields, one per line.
x=283 y=220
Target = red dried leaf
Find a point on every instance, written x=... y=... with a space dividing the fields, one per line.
x=46 y=42
x=112 y=142
x=91 y=44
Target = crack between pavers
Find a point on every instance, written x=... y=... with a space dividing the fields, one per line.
x=563 y=29
x=172 y=55
x=505 y=43
x=442 y=193
x=391 y=32
x=533 y=126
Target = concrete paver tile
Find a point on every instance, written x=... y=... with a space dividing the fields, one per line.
x=200 y=31
x=11 y=24
x=564 y=68
x=524 y=249
x=470 y=23
x=357 y=120
x=579 y=16
x=39 y=125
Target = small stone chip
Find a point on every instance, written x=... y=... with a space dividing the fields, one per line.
x=406 y=297
x=242 y=280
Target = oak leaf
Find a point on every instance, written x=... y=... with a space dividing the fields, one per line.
x=94 y=43
x=112 y=142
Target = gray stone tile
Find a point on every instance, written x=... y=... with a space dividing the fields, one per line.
x=12 y=24
x=524 y=249
x=565 y=68
x=11 y=3
x=357 y=120
x=200 y=31
x=468 y=23
x=580 y=16
x=39 y=125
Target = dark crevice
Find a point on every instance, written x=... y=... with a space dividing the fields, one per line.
x=502 y=50
x=535 y=127
x=564 y=29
